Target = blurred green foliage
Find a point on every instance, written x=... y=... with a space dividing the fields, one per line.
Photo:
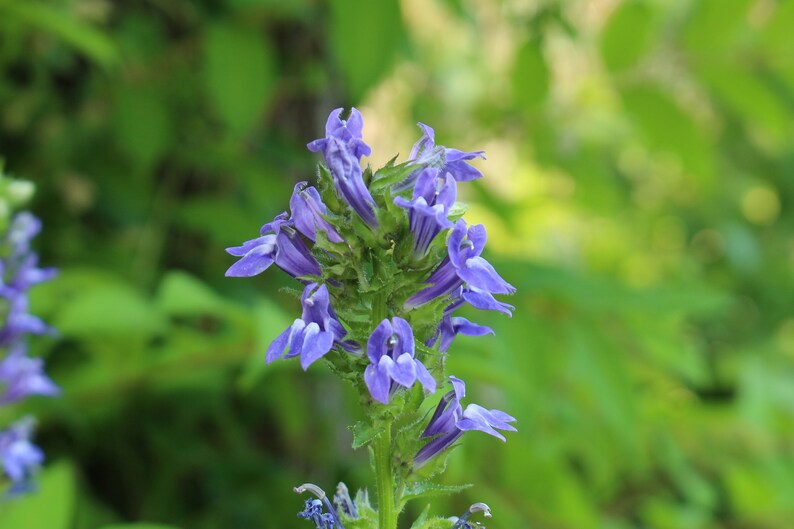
x=637 y=192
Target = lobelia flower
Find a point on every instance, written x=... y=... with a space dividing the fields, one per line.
x=451 y=326
x=448 y=160
x=433 y=196
x=19 y=322
x=450 y=421
x=22 y=376
x=313 y=511
x=313 y=335
x=391 y=351
x=463 y=265
x=20 y=457
x=308 y=213
x=279 y=243
x=342 y=149
x=314 y=508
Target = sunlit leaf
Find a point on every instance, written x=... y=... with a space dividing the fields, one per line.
x=51 y=506
x=628 y=35
x=239 y=73
x=530 y=75
x=365 y=38
x=64 y=25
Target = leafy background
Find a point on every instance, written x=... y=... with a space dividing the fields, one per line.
x=640 y=164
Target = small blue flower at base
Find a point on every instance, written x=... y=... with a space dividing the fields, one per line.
x=20 y=458
x=313 y=511
x=391 y=350
x=313 y=335
x=433 y=196
x=463 y=264
x=279 y=243
x=450 y=421
x=342 y=149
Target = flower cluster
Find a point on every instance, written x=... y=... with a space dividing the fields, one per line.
x=20 y=375
x=386 y=259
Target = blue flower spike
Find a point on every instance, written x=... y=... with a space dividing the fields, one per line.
x=385 y=260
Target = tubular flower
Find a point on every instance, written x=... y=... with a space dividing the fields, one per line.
x=451 y=326
x=308 y=213
x=391 y=351
x=313 y=334
x=279 y=243
x=463 y=265
x=22 y=376
x=450 y=421
x=19 y=456
x=447 y=160
x=342 y=149
x=433 y=197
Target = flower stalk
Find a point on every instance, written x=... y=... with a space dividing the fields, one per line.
x=385 y=260
x=387 y=515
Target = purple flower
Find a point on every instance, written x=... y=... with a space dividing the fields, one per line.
x=463 y=265
x=313 y=511
x=391 y=351
x=342 y=149
x=308 y=213
x=314 y=334
x=448 y=160
x=348 y=131
x=454 y=160
x=24 y=227
x=22 y=376
x=20 y=457
x=451 y=326
x=433 y=197
x=19 y=322
x=279 y=243
x=450 y=420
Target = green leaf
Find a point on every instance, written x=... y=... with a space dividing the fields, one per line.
x=63 y=25
x=49 y=507
x=109 y=309
x=429 y=490
x=142 y=122
x=627 y=36
x=755 y=101
x=239 y=74
x=777 y=37
x=182 y=294
x=365 y=37
x=457 y=211
x=138 y=526
x=433 y=523
x=530 y=76
x=422 y=518
x=667 y=128
x=389 y=175
x=363 y=433
x=715 y=26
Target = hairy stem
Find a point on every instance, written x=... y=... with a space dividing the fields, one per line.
x=387 y=515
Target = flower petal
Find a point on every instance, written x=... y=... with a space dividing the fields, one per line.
x=376 y=345
x=378 y=382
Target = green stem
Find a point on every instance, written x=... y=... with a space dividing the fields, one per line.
x=387 y=515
